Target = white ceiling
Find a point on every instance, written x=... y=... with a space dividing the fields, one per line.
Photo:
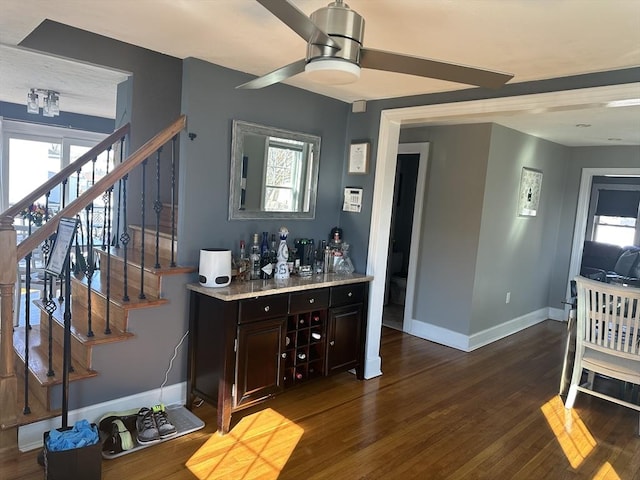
x=534 y=40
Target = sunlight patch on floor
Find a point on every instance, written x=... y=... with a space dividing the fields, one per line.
x=606 y=472
x=259 y=446
x=572 y=434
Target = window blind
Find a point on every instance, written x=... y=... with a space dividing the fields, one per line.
x=618 y=203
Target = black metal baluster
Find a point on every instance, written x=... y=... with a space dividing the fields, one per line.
x=173 y=200
x=107 y=206
x=80 y=266
x=48 y=291
x=157 y=207
x=116 y=236
x=144 y=180
x=90 y=265
x=124 y=238
x=105 y=212
x=27 y=326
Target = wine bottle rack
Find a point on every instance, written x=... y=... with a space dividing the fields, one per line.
x=305 y=346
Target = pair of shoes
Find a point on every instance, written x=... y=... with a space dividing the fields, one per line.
x=153 y=424
x=119 y=427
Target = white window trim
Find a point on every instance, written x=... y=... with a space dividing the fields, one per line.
x=33 y=131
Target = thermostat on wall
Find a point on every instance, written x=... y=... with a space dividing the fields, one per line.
x=352 y=200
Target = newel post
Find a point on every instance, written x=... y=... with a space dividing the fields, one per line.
x=8 y=381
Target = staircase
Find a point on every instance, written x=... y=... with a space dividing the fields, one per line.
x=129 y=277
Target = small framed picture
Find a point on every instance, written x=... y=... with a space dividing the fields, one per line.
x=359 y=158
x=530 y=188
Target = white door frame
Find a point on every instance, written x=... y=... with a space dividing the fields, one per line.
x=421 y=149
x=386 y=158
x=582 y=215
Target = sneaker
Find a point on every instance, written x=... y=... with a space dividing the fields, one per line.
x=165 y=427
x=146 y=426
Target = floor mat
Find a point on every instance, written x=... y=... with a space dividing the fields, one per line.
x=184 y=421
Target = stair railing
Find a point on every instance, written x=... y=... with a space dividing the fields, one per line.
x=11 y=254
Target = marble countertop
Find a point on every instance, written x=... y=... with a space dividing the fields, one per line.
x=260 y=288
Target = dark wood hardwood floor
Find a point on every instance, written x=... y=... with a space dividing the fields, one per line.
x=435 y=413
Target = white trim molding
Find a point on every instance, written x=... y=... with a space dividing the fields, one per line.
x=448 y=113
x=468 y=343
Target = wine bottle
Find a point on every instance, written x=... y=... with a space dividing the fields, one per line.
x=266 y=267
x=316 y=336
x=302 y=356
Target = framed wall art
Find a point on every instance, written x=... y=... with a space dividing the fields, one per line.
x=359 y=158
x=530 y=188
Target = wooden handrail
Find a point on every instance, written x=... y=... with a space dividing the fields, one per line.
x=101 y=186
x=66 y=172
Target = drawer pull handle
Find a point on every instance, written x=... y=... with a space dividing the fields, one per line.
x=266 y=309
x=332 y=343
x=350 y=294
x=311 y=300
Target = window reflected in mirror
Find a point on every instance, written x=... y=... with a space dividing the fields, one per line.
x=274 y=173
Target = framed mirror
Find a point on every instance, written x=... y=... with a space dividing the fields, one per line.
x=274 y=173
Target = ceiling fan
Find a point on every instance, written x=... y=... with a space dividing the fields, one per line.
x=335 y=53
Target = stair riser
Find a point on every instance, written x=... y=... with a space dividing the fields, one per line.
x=164 y=243
x=41 y=393
x=165 y=216
x=80 y=353
x=117 y=315
x=151 y=280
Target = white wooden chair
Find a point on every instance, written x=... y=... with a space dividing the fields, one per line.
x=607 y=338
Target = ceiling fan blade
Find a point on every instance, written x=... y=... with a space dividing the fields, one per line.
x=424 y=67
x=297 y=21
x=276 y=76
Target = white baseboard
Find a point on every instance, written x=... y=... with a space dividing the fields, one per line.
x=468 y=343
x=30 y=436
x=558 y=314
x=441 y=335
x=372 y=367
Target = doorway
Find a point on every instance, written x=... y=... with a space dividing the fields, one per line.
x=387 y=150
x=406 y=225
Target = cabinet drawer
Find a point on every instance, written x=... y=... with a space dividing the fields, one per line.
x=347 y=294
x=263 y=307
x=307 y=300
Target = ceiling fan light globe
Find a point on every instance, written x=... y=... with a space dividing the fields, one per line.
x=332 y=71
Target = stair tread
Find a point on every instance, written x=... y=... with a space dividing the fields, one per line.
x=38 y=358
x=134 y=258
x=79 y=317
x=116 y=290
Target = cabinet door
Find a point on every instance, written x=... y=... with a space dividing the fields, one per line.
x=259 y=362
x=344 y=337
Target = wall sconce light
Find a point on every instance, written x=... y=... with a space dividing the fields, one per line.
x=50 y=102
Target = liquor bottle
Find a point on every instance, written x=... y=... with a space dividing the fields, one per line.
x=255 y=258
x=266 y=267
x=243 y=266
x=273 y=252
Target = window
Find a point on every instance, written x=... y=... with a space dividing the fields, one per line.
x=614 y=215
x=33 y=153
x=615 y=230
x=283 y=175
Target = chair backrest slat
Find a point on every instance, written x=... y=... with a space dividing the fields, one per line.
x=608 y=317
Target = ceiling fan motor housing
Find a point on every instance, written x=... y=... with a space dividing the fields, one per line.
x=342 y=24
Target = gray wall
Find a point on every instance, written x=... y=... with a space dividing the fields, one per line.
x=579 y=158
x=516 y=254
x=139 y=364
x=154 y=92
x=211 y=103
x=451 y=222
